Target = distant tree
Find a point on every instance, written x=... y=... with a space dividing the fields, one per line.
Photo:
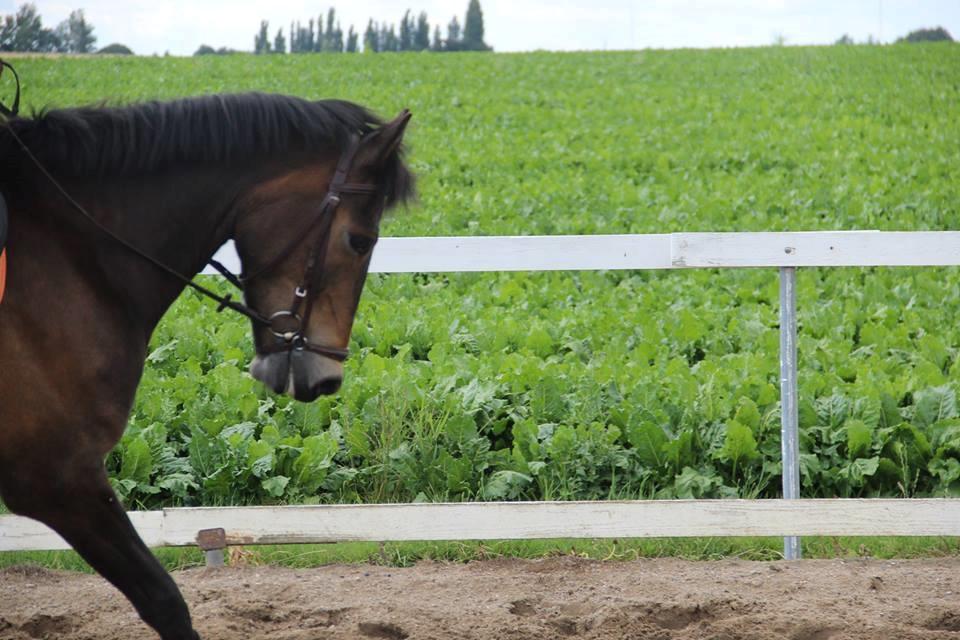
x=388 y=39
x=352 y=38
x=7 y=30
x=414 y=35
x=76 y=34
x=310 y=42
x=779 y=40
x=330 y=37
x=24 y=31
x=337 y=40
x=473 y=28
x=371 y=41
x=207 y=50
x=261 y=42
x=845 y=39
x=937 y=34
x=118 y=49
x=406 y=32
x=454 y=43
x=421 y=37
x=301 y=38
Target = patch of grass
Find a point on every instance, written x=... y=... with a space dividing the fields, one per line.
x=403 y=554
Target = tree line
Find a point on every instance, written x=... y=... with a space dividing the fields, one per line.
x=24 y=31
x=937 y=34
x=325 y=34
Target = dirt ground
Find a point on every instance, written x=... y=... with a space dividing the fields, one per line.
x=513 y=599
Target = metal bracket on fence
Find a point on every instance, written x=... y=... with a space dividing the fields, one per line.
x=212 y=542
x=789 y=418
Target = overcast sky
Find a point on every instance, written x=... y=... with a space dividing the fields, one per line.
x=180 y=26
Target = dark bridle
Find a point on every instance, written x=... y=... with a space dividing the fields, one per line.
x=287 y=325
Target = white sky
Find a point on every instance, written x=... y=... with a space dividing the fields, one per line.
x=180 y=26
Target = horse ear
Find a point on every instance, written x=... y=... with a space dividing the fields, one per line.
x=379 y=145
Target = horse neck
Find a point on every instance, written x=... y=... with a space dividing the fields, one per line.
x=178 y=218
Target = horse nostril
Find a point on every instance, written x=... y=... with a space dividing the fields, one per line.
x=328 y=386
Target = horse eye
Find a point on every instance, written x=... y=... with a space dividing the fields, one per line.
x=361 y=244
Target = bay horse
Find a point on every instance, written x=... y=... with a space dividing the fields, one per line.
x=111 y=212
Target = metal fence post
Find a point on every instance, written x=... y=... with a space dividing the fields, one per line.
x=789 y=429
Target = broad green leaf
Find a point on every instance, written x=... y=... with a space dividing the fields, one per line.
x=856 y=472
x=934 y=404
x=748 y=414
x=739 y=445
x=314 y=462
x=647 y=439
x=859 y=439
x=137 y=461
x=679 y=451
x=505 y=485
x=275 y=486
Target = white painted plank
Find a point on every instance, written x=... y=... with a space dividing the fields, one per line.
x=507 y=253
x=521 y=253
x=657 y=251
x=816 y=249
x=24 y=534
x=526 y=520
x=517 y=520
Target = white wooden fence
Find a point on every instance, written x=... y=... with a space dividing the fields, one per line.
x=681 y=518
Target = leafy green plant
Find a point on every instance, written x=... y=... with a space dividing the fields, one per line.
x=588 y=385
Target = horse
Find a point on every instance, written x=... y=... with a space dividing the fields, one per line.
x=112 y=211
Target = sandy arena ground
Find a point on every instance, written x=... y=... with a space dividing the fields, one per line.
x=513 y=599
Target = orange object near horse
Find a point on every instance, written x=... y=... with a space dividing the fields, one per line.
x=3 y=273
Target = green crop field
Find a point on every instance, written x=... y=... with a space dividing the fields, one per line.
x=598 y=384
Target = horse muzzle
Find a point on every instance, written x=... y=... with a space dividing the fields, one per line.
x=299 y=373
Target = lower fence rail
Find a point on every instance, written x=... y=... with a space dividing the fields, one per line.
x=521 y=520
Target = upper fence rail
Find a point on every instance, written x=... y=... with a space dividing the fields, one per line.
x=658 y=251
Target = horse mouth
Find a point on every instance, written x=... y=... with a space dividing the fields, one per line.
x=302 y=375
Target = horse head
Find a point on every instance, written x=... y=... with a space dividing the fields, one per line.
x=305 y=239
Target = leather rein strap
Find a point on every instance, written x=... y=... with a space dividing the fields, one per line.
x=290 y=338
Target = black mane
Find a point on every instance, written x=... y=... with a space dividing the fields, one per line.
x=150 y=137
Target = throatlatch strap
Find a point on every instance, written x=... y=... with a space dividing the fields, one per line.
x=3 y=272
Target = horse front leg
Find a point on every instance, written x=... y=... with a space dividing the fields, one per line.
x=82 y=507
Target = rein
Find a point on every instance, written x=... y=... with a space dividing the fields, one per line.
x=290 y=337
